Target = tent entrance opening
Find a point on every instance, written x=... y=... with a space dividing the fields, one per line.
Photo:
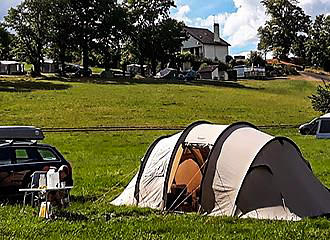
x=184 y=191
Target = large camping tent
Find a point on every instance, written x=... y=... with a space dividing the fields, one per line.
x=233 y=170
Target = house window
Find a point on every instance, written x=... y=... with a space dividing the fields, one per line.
x=197 y=51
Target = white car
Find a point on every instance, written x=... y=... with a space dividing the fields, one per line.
x=319 y=126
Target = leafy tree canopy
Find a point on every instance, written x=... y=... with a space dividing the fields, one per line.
x=29 y=21
x=318 y=42
x=321 y=99
x=6 y=39
x=255 y=58
x=287 y=21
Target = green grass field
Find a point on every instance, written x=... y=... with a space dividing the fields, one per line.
x=104 y=162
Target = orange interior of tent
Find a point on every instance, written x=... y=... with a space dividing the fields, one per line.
x=184 y=191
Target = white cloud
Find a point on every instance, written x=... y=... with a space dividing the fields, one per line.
x=181 y=14
x=240 y=27
x=315 y=7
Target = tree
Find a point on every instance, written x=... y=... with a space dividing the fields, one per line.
x=60 y=28
x=228 y=59
x=298 y=47
x=321 y=100
x=146 y=17
x=84 y=22
x=318 y=42
x=29 y=21
x=255 y=58
x=111 y=31
x=6 y=39
x=287 y=22
x=169 y=35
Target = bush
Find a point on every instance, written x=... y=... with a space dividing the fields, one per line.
x=321 y=100
x=223 y=66
x=288 y=70
x=326 y=65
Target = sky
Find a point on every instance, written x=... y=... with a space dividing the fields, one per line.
x=238 y=19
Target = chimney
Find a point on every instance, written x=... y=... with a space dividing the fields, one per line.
x=216 y=32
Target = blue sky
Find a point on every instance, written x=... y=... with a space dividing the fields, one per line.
x=239 y=19
x=207 y=7
x=5 y=5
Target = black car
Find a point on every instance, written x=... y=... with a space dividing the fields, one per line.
x=21 y=155
x=77 y=70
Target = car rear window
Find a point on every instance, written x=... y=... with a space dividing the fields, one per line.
x=47 y=155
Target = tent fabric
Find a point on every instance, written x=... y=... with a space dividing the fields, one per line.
x=207 y=192
x=189 y=174
x=205 y=134
x=237 y=154
x=302 y=192
x=275 y=213
x=144 y=162
x=127 y=196
x=237 y=170
x=152 y=180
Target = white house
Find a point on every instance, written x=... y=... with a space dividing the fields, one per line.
x=203 y=43
x=11 y=67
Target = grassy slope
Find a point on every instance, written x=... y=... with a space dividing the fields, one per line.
x=271 y=102
x=104 y=162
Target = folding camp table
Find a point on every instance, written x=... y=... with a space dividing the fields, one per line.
x=46 y=192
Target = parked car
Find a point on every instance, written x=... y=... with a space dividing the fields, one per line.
x=77 y=70
x=21 y=155
x=319 y=126
x=309 y=128
x=190 y=75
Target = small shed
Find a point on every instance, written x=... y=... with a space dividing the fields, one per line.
x=11 y=67
x=49 y=66
x=209 y=72
x=136 y=68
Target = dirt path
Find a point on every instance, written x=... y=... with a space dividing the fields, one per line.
x=312 y=77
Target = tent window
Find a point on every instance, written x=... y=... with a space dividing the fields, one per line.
x=185 y=188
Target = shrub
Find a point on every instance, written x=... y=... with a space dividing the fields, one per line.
x=326 y=65
x=321 y=99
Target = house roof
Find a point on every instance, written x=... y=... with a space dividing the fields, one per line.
x=8 y=62
x=205 y=36
x=209 y=68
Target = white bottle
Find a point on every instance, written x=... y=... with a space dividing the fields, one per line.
x=42 y=181
x=53 y=178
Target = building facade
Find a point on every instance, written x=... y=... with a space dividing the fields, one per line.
x=204 y=43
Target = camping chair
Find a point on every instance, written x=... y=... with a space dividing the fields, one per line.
x=35 y=197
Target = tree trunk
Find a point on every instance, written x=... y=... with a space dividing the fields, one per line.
x=62 y=60
x=85 y=60
x=153 y=66
x=107 y=60
x=37 y=68
x=141 y=60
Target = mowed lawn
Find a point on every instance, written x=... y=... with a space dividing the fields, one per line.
x=104 y=162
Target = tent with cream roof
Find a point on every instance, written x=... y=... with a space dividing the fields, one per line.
x=227 y=170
